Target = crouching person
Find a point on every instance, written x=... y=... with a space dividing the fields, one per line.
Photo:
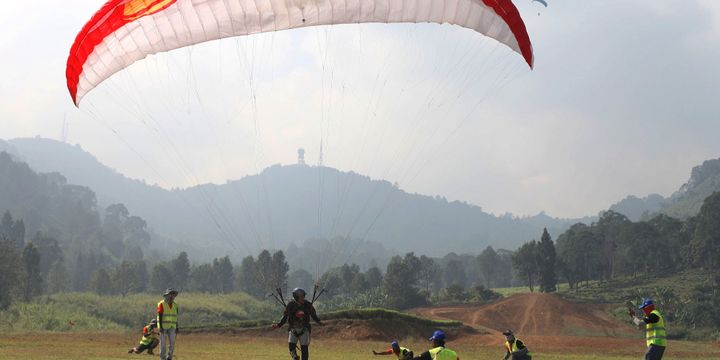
x=149 y=339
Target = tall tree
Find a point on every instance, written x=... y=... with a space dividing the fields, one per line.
x=123 y=278
x=401 y=280
x=374 y=277
x=224 y=276
x=203 y=278
x=454 y=273
x=33 y=282
x=18 y=234
x=161 y=277
x=525 y=262
x=266 y=272
x=101 y=283
x=50 y=252
x=180 y=268
x=671 y=235
x=142 y=278
x=546 y=263
x=489 y=263
x=10 y=274
x=300 y=278
x=430 y=271
x=580 y=254
x=85 y=266
x=58 y=279
x=609 y=228
x=248 y=279
x=705 y=244
x=6 y=225
x=13 y=231
x=359 y=284
x=279 y=271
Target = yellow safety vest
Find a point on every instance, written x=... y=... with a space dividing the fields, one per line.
x=513 y=347
x=655 y=333
x=149 y=338
x=443 y=353
x=403 y=352
x=169 y=316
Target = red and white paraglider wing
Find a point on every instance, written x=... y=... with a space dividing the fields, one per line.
x=125 y=31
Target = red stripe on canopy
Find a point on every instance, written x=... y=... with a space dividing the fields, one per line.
x=508 y=12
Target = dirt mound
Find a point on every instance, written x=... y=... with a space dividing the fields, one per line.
x=535 y=314
x=353 y=329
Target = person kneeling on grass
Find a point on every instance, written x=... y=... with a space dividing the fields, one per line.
x=149 y=339
x=395 y=349
x=515 y=349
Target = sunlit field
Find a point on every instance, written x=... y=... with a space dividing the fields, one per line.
x=198 y=347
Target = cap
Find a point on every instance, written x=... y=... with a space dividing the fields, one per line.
x=170 y=291
x=508 y=332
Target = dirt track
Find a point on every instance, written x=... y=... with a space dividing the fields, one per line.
x=534 y=314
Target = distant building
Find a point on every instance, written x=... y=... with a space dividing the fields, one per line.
x=301 y=156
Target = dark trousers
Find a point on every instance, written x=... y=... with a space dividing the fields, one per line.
x=654 y=352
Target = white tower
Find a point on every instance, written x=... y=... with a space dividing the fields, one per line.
x=301 y=156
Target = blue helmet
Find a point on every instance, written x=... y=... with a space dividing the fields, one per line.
x=438 y=335
x=646 y=302
x=394 y=344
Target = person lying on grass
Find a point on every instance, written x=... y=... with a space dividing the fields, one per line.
x=395 y=349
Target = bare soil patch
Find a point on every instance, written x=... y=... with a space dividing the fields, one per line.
x=535 y=314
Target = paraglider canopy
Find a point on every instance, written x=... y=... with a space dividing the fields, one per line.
x=125 y=31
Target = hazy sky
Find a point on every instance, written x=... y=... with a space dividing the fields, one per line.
x=623 y=100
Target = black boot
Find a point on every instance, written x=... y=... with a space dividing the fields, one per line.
x=292 y=348
x=305 y=351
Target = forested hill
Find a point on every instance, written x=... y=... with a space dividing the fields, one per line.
x=684 y=203
x=289 y=204
x=636 y=208
x=704 y=181
x=62 y=219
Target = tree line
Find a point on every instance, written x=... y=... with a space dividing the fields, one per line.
x=615 y=246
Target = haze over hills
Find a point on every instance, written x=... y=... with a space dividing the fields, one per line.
x=684 y=203
x=289 y=204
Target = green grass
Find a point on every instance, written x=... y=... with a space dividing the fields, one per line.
x=510 y=291
x=354 y=314
x=617 y=290
x=97 y=346
x=377 y=313
x=78 y=312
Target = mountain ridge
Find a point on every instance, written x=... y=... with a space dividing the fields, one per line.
x=283 y=205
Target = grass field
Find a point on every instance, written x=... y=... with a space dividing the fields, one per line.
x=617 y=290
x=84 y=312
x=199 y=347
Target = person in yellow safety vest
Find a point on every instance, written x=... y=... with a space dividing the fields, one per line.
x=438 y=351
x=149 y=339
x=167 y=316
x=397 y=350
x=655 y=334
x=516 y=350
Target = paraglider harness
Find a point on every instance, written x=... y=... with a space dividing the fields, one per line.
x=280 y=299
